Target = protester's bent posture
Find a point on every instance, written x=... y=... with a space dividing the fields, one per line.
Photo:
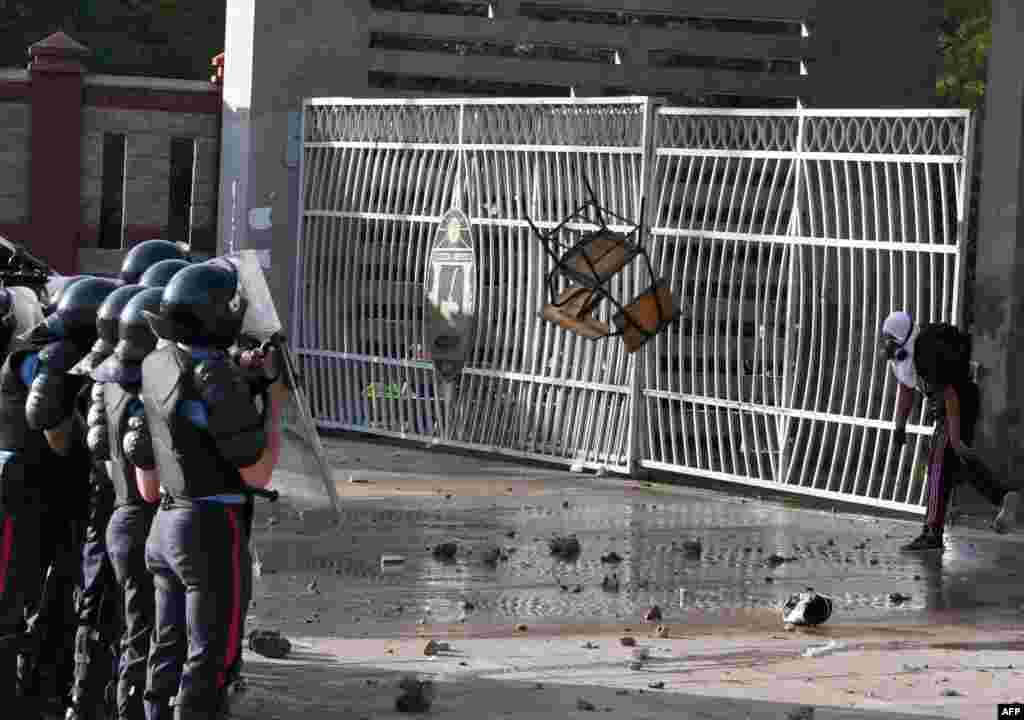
x=64 y=338
x=934 y=360
x=23 y=454
x=118 y=434
x=210 y=443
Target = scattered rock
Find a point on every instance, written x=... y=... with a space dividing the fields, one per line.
x=492 y=556
x=641 y=653
x=269 y=643
x=636 y=666
x=692 y=547
x=622 y=692
x=448 y=496
x=417 y=695
x=387 y=561
x=950 y=692
x=510 y=534
x=898 y=598
x=643 y=584
x=769 y=579
x=774 y=560
x=433 y=647
x=538 y=686
x=917 y=577
x=271 y=522
x=565 y=504
x=873 y=561
x=357 y=480
x=577 y=590
x=610 y=584
x=656 y=685
x=821 y=650
x=445 y=551
x=521 y=628
x=589 y=645
x=831 y=542
x=653 y=614
x=801 y=713
x=468 y=606
x=628 y=641
x=661 y=632
x=612 y=558
x=566 y=548
x=312 y=587
x=585 y=705
x=807 y=608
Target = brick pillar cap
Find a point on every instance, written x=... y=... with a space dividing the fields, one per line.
x=60 y=45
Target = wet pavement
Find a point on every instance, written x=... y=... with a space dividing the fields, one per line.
x=519 y=615
x=753 y=556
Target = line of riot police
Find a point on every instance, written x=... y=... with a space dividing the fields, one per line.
x=132 y=443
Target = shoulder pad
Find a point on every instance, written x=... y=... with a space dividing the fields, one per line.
x=60 y=356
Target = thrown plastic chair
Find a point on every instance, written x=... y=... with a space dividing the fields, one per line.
x=573 y=311
x=651 y=311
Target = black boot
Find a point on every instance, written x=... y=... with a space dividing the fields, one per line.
x=929 y=539
x=91 y=669
x=158 y=708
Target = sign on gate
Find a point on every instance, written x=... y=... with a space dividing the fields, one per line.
x=451 y=304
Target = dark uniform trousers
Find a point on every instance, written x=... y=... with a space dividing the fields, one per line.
x=198 y=552
x=98 y=606
x=19 y=573
x=126 y=545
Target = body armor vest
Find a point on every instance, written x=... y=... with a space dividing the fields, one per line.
x=15 y=434
x=187 y=458
x=116 y=403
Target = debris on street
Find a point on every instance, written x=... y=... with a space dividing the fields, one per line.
x=269 y=643
x=417 y=695
x=391 y=561
x=822 y=650
x=564 y=547
x=652 y=615
x=445 y=551
x=610 y=584
x=585 y=705
x=898 y=598
x=433 y=647
x=656 y=685
x=628 y=641
x=661 y=632
x=612 y=558
x=801 y=713
x=774 y=560
x=692 y=547
x=807 y=609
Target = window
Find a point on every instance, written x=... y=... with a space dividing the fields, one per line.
x=179 y=206
x=112 y=192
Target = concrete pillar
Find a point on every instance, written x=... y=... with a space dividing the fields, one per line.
x=277 y=53
x=999 y=282
x=55 y=174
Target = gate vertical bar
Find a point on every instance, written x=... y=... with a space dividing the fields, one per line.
x=297 y=277
x=637 y=398
x=795 y=228
x=963 y=212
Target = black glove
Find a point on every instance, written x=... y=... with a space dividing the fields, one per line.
x=899 y=436
x=47 y=405
x=137 y=444
x=98 y=436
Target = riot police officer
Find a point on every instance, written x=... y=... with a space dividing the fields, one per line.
x=159 y=274
x=146 y=254
x=20 y=450
x=210 y=443
x=118 y=433
x=97 y=606
x=61 y=342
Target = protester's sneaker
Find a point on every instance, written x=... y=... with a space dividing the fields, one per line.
x=1007 y=516
x=929 y=539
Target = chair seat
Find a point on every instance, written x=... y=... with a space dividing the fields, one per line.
x=597 y=257
x=651 y=311
x=572 y=312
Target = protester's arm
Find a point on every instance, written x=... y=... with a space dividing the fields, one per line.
x=952 y=401
x=904 y=406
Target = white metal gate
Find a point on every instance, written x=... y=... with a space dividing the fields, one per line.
x=787 y=236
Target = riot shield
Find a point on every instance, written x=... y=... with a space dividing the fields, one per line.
x=302 y=477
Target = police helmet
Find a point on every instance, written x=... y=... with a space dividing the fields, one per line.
x=202 y=305
x=135 y=340
x=54 y=299
x=107 y=328
x=75 y=316
x=146 y=254
x=158 y=275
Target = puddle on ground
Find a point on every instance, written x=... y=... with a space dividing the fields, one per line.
x=856 y=560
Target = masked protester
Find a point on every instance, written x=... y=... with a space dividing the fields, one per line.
x=145 y=255
x=118 y=433
x=62 y=341
x=934 y=361
x=24 y=455
x=97 y=606
x=211 y=443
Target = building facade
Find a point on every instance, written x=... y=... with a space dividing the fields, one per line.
x=97 y=163
x=820 y=53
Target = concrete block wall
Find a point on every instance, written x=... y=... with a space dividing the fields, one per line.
x=15 y=132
